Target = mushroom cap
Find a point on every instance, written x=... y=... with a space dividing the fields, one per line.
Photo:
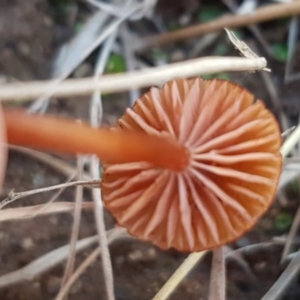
x=3 y=148
x=232 y=176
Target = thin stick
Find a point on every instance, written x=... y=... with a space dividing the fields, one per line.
x=43 y=263
x=55 y=196
x=278 y=288
x=128 y=49
x=14 y=196
x=119 y=233
x=271 y=88
x=291 y=235
x=99 y=216
x=290 y=142
x=105 y=33
x=217 y=288
x=179 y=275
x=263 y=14
x=76 y=225
x=96 y=112
x=20 y=213
x=86 y=263
x=235 y=9
x=131 y=80
x=55 y=163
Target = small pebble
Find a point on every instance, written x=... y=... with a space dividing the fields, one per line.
x=151 y=254
x=119 y=260
x=27 y=243
x=24 y=48
x=53 y=220
x=266 y=224
x=83 y=70
x=47 y=21
x=146 y=255
x=243 y=242
x=2 y=235
x=76 y=287
x=260 y=266
x=136 y=255
x=164 y=276
x=177 y=55
x=53 y=284
x=38 y=180
x=37 y=286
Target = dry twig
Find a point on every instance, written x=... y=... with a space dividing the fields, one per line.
x=75 y=227
x=14 y=196
x=43 y=263
x=20 y=213
x=51 y=259
x=276 y=291
x=291 y=236
x=117 y=234
x=131 y=80
x=55 y=163
x=217 y=288
x=263 y=14
x=96 y=110
x=189 y=263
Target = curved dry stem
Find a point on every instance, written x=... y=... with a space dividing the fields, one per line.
x=290 y=142
x=14 y=196
x=118 y=233
x=21 y=213
x=217 y=288
x=43 y=263
x=131 y=80
x=55 y=163
x=276 y=291
x=189 y=263
x=103 y=240
x=262 y=14
x=76 y=225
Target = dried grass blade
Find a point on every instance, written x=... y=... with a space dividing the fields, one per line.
x=189 y=263
x=43 y=263
x=291 y=235
x=217 y=288
x=21 y=213
x=135 y=79
x=117 y=234
x=76 y=225
x=276 y=291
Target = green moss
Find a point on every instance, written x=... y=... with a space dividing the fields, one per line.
x=209 y=13
x=116 y=64
x=223 y=75
x=280 y=51
x=283 y=221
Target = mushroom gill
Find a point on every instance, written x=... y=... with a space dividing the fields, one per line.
x=231 y=177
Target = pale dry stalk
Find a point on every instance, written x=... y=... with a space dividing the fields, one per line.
x=131 y=80
x=263 y=14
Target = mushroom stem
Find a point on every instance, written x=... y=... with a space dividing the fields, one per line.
x=111 y=145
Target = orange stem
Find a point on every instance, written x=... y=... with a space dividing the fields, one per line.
x=111 y=145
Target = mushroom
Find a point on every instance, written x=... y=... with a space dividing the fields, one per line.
x=192 y=166
x=3 y=148
x=229 y=182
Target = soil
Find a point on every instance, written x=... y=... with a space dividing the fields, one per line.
x=30 y=33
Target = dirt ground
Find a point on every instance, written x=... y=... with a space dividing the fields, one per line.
x=30 y=32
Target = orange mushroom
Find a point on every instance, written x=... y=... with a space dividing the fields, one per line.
x=3 y=148
x=192 y=166
x=231 y=177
